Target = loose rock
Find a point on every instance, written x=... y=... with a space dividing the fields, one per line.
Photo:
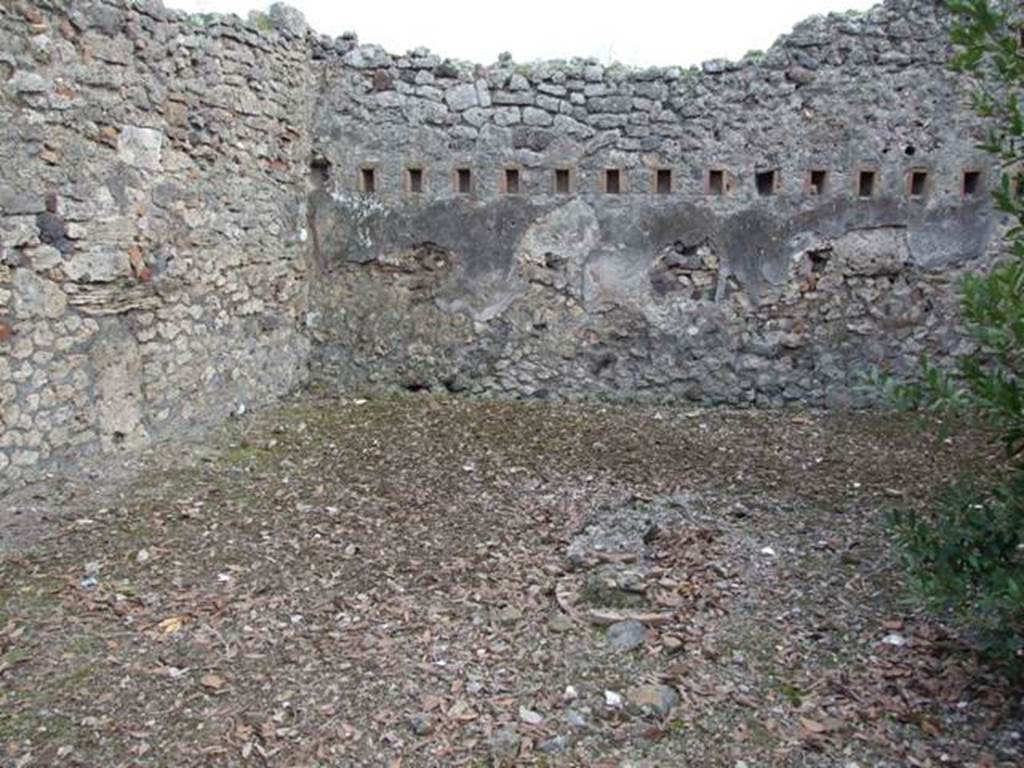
x=626 y=635
x=652 y=700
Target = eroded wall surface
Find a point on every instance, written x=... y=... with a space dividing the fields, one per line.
x=153 y=272
x=767 y=293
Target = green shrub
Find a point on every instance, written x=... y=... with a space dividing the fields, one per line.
x=966 y=555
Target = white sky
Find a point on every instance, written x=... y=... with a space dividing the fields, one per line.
x=636 y=32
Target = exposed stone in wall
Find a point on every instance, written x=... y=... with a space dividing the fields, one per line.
x=153 y=273
x=772 y=291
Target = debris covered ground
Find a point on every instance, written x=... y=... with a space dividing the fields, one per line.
x=417 y=581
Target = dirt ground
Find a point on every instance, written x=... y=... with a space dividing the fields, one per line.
x=420 y=581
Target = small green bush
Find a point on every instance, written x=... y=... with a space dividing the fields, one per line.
x=967 y=557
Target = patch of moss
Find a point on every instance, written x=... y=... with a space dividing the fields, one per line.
x=792 y=694
x=261 y=21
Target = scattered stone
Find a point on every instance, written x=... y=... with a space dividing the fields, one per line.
x=504 y=746
x=576 y=718
x=607 y=617
x=613 y=587
x=530 y=717
x=554 y=745
x=627 y=635
x=652 y=700
x=671 y=643
x=625 y=532
x=560 y=623
x=612 y=700
x=509 y=615
x=419 y=724
x=896 y=640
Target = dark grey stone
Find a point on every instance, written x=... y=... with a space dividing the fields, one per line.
x=627 y=635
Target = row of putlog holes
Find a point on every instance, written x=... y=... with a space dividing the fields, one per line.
x=718 y=182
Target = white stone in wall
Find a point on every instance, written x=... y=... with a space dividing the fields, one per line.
x=534 y=116
x=35 y=296
x=45 y=257
x=25 y=458
x=506 y=116
x=28 y=82
x=288 y=20
x=483 y=94
x=18 y=230
x=97 y=267
x=476 y=116
x=140 y=147
x=462 y=97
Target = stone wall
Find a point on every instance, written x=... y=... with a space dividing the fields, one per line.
x=197 y=213
x=784 y=287
x=153 y=273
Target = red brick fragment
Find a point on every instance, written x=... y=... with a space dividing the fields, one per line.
x=136 y=260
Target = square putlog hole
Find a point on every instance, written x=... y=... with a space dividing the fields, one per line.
x=716 y=183
x=511 y=181
x=972 y=183
x=562 y=181
x=866 y=185
x=414 y=180
x=612 y=181
x=463 y=181
x=765 y=181
x=367 y=181
x=817 y=182
x=663 y=181
x=918 y=184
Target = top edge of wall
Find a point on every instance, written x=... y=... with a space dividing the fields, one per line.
x=288 y=22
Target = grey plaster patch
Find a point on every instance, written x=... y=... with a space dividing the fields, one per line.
x=117 y=359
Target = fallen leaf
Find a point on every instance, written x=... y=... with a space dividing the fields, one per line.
x=213 y=682
x=432 y=702
x=461 y=711
x=172 y=624
x=813 y=726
